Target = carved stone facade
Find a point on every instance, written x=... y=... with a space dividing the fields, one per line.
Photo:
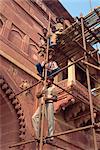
x=20 y=23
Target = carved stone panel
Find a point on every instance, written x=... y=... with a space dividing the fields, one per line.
x=16 y=36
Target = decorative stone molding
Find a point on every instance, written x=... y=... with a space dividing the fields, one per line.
x=24 y=85
x=16 y=105
x=3 y=18
x=74 y=111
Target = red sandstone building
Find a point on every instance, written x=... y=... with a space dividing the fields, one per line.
x=21 y=22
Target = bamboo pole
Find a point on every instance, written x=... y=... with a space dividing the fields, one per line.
x=91 y=65
x=74 y=62
x=90 y=5
x=28 y=88
x=89 y=87
x=43 y=105
x=22 y=143
x=70 y=131
x=57 y=134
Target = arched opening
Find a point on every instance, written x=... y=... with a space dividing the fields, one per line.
x=8 y=124
x=33 y=52
x=16 y=38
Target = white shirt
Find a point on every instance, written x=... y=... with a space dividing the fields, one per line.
x=52 y=65
x=50 y=92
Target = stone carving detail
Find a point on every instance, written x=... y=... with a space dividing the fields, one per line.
x=76 y=112
x=2 y=18
x=24 y=85
x=2 y=21
x=40 y=3
x=1 y=24
x=17 y=106
x=32 y=49
x=16 y=36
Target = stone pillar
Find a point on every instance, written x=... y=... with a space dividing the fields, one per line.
x=60 y=76
x=56 y=79
x=71 y=73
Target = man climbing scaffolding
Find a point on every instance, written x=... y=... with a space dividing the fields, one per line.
x=51 y=97
x=51 y=66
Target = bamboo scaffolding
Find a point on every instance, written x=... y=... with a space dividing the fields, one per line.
x=57 y=134
x=28 y=88
x=44 y=97
x=90 y=54
x=85 y=51
x=89 y=87
x=73 y=130
x=22 y=143
x=62 y=69
x=91 y=65
x=74 y=62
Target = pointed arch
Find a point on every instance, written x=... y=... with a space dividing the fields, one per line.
x=16 y=38
x=33 y=51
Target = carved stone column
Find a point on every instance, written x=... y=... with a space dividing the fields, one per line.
x=71 y=73
x=56 y=79
x=60 y=76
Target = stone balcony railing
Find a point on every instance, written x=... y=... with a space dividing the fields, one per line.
x=75 y=111
x=77 y=90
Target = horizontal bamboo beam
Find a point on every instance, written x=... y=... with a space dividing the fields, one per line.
x=55 y=135
x=28 y=88
x=62 y=69
x=74 y=62
x=74 y=130
x=86 y=51
x=91 y=65
x=22 y=143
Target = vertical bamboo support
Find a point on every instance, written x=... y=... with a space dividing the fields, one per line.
x=43 y=105
x=90 y=5
x=89 y=86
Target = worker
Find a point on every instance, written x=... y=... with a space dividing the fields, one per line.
x=43 y=38
x=59 y=25
x=41 y=63
x=53 y=38
x=51 y=97
x=67 y=23
x=51 y=66
x=56 y=31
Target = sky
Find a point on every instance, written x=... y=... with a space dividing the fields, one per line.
x=75 y=7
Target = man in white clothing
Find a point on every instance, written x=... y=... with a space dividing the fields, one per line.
x=51 y=96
